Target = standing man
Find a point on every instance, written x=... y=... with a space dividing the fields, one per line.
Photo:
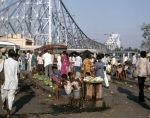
x=104 y=61
x=78 y=63
x=47 y=64
x=72 y=62
x=30 y=59
x=133 y=60
x=11 y=68
x=27 y=59
x=34 y=62
x=22 y=58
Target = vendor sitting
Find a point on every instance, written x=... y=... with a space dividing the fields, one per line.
x=64 y=87
x=56 y=78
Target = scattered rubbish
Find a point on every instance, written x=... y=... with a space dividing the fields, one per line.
x=111 y=92
x=130 y=85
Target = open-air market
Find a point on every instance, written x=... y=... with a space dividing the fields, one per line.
x=50 y=68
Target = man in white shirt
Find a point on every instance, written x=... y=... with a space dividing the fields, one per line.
x=72 y=62
x=27 y=58
x=133 y=60
x=125 y=58
x=78 y=63
x=8 y=89
x=47 y=57
x=59 y=62
x=30 y=58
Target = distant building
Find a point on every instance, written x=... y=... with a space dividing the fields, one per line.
x=113 y=42
x=23 y=42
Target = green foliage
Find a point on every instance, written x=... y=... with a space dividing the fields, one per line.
x=146 y=43
x=130 y=49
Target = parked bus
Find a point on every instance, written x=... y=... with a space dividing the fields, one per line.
x=118 y=54
x=55 y=48
x=9 y=45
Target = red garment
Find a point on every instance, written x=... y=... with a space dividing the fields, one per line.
x=65 y=64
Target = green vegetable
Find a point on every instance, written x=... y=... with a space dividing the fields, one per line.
x=49 y=95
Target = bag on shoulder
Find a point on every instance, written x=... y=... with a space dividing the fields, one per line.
x=135 y=73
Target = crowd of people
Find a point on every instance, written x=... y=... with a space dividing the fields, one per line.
x=69 y=72
x=71 y=69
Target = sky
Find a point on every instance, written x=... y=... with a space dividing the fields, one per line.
x=98 y=17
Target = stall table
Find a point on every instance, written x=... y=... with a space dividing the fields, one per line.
x=92 y=90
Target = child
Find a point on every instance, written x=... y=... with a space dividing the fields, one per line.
x=126 y=66
x=119 y=71
x=64 y=88
x=70 y=76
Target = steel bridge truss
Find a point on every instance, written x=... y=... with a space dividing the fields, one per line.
x=47 y=21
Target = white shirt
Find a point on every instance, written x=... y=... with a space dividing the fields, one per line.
x=52 y=57
x=47 y=59
x=68 y=87
x=143 y=67
x=76 y=84
x=28 y=56
x=134 y=59
x=125 y=59
x=59 y=58
x=11 y=68
x=78 y=61
x=113 y=61
x=30 y=59
x=1 y=65
x=40 y=60
x=72 y=59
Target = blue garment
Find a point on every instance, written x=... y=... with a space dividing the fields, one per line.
x=22 y=57
x=78 y=68
x=104 y=60
x=58 y=75
x=23 y=65
x=62 y=92
x=99 y=72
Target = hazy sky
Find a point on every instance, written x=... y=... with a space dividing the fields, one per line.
x=99 y=17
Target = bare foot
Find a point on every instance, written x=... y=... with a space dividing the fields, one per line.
x=55 y=99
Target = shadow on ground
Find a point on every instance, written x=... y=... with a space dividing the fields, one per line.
x=24 y=99
x=131 y=96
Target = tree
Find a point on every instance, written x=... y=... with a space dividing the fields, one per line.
x=146 y=43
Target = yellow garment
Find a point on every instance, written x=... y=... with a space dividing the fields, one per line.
x=1 y=60
x=87 y=65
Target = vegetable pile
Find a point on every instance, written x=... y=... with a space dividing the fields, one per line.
x=46 y=81
x=94 y=80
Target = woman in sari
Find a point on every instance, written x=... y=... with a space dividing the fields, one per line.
x=65 y=63
x=87 y=65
